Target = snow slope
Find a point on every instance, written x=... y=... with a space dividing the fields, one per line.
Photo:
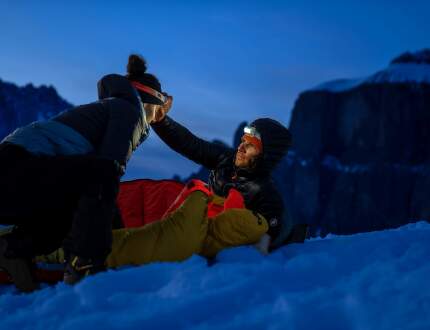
x=376 y=280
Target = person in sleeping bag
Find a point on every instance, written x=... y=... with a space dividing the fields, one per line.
x=247 y=168
x=59 y=178
x=198 y=222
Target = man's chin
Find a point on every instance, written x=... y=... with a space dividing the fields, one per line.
x=239 y=164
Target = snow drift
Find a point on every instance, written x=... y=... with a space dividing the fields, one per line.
x=376 y=280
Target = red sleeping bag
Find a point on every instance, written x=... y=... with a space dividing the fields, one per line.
x=144 y=201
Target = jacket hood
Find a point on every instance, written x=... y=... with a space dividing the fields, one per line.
x=276 y=139
x=115 y=85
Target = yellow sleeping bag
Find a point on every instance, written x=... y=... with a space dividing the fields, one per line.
x=174 y=238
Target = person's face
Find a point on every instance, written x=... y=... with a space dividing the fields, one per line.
x=151 y=111
x=246 y=154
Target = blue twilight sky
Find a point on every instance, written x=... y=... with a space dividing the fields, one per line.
x=223 y=61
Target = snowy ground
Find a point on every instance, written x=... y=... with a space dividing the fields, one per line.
x=368 y=281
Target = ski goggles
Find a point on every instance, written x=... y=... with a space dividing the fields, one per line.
x=149 y=90
x=251 y=135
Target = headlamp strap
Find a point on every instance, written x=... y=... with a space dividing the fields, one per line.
x=149 y=90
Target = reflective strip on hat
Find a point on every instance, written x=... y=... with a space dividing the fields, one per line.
x=149 y=90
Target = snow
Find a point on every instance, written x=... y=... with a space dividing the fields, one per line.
x=395 y=74
x=339 y=85
x=366 y=281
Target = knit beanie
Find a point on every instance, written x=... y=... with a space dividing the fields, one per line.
x=136 y=73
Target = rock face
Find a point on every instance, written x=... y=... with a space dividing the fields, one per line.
x=22 y=105
x=361 y=153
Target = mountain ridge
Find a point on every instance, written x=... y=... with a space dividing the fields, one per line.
x=20 y=106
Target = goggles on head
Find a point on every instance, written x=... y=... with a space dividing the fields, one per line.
x=149 y=90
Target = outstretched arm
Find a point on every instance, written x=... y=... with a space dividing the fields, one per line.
x=186 y=143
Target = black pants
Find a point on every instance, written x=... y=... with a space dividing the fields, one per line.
x=54 y=201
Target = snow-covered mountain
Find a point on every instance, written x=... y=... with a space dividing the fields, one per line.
x=361 y=158
x=372 y=281
x=22 y=105
x=411 y=68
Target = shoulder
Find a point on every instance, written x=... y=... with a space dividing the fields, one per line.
x=123 y=107
x=113 y=81
x=115 y=85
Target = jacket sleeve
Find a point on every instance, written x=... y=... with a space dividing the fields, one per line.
x=115 y=85
x=188 y=145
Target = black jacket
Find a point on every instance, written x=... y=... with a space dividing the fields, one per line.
x=257 y=188
x=116 y=124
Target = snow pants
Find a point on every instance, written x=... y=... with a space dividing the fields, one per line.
x=54 y=201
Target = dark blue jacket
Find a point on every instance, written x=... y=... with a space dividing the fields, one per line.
x=116 y=124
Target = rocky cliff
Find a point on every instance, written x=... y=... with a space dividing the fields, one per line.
x=362 y=150
x=22 y=105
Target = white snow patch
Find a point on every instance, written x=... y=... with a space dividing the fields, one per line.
x=395 y=73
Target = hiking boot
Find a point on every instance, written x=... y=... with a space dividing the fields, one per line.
x=19 y=269
x=77 y=268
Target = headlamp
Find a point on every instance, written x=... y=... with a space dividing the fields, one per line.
x=251 y=130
